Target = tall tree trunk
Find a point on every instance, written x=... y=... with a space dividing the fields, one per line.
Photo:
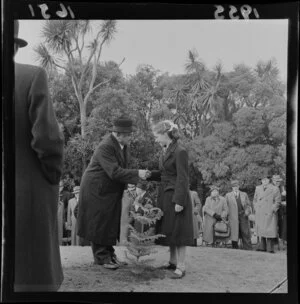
x=83 y=132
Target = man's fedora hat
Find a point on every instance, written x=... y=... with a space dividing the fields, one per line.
x=277 y=178
x=123 y=124
x=214 y=187
x=20 y=42
x=131 y=187
x=264 y=176
x=76 y=189
x=235 y=183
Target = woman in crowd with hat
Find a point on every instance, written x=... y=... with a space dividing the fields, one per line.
x=266 y=202
x=173 y=197
x=101 y=191
x=39 y=146
x=215 y=209
x=239 y=208
x=71 y=217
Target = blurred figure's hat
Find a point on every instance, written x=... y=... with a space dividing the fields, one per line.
x=20 y=42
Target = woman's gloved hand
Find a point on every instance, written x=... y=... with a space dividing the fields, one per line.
x=217 y=217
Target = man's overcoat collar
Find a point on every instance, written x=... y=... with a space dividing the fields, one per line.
x=121 y=154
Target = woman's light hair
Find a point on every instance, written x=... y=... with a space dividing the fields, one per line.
x=167 y=126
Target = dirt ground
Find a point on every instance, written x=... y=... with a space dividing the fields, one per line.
x=207 y=270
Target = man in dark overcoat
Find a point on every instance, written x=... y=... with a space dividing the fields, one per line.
x=101 y=190
x=278 y=182
x=38 y=167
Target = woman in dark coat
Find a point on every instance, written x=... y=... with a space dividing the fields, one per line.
x=173 y=198
x=38 y=167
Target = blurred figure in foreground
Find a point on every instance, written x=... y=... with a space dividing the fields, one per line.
x=38 y=167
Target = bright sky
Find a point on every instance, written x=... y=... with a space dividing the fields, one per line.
x=164 y=44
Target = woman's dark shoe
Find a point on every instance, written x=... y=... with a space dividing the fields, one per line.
x=178 y=274
x=169 y=266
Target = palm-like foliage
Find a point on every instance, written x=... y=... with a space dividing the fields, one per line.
x=198 y=96
x=64 y=44
x=44 y=58
x=108 y=30
x=58 y=34
x=178 y=95
x=193 y=63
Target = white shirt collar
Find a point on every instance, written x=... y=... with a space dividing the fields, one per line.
x=121 y=146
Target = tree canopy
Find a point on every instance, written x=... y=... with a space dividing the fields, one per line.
x=233 y=124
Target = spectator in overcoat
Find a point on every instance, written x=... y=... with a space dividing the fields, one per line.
x=239 y=208
x=38 y=167
x=60 y=214
x=215 y=209
x=71 y=218
x=127 y=201
x=173 y=197
x=278 y=182
x=266 y=202
x=101 y=191
x=197 y=211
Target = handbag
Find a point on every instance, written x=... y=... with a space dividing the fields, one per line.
x=221 y=229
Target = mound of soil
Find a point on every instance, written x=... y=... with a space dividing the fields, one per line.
x=207 y=270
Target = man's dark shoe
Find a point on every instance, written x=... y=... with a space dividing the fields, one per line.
x=116 y=261
x=108 y=264
x=111 y=265
x=258 y=249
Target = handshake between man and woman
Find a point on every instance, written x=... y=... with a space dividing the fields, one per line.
x=144 y=174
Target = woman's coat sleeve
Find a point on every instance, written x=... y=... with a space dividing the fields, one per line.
x=182 y=181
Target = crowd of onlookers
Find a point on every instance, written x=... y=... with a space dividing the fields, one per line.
x=257 y=224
